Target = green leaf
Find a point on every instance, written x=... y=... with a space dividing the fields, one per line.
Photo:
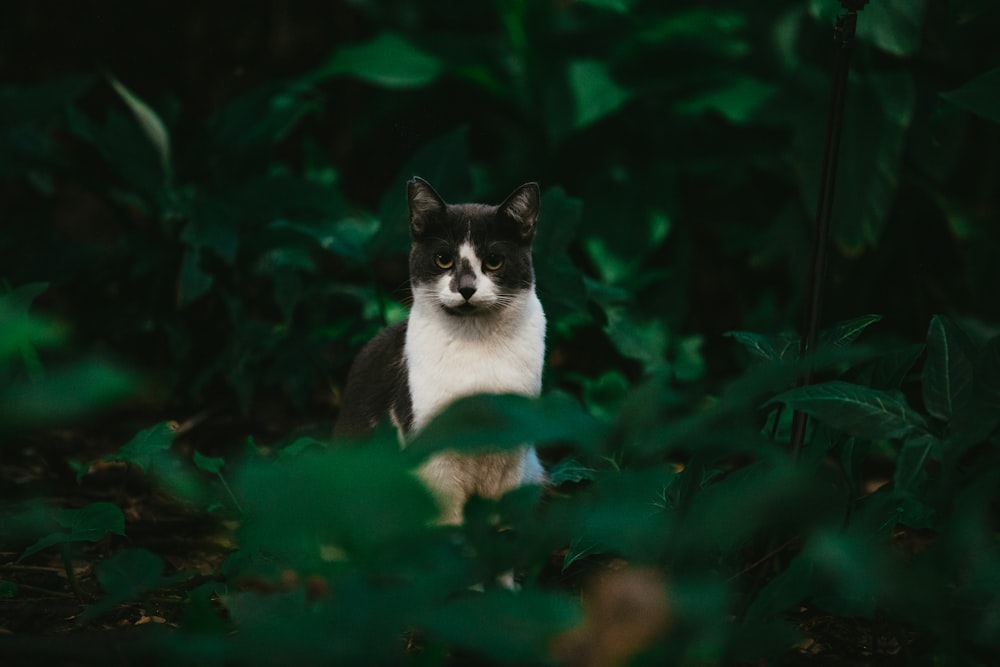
x=36 y=103
x=388 y=60
x=860 y=411
x=845 y=333
x=499 y=422
x=980 y=95
x=737 y=101
x=595 y=92
x=222 y=239
x=362 y=500
x=88 y=524
x=891 y=369
x=895 y=26
x=64 y=394
x=348 y=237
x=444 y=163
x=128 y=575
x=876 y=122
x=917 y=452
x=239 y=137
x=948 y=373
x=785 y=346
x=8 y=589
x=559 y=283
x=619 y=6
x=212 y=464
x=149 y=121
x=773 y=347
x=192 y=281
x=787 y=590
x=503 y=627
x=148 y=448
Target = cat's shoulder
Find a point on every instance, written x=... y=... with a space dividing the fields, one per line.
x=376 y=383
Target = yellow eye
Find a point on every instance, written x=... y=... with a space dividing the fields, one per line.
x=443 y=261
x=493 y=262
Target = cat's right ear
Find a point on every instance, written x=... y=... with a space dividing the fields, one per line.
x=425 y=204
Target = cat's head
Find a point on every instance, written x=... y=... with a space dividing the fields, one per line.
x=471 y=259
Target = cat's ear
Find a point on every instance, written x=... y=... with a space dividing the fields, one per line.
x=425 y=204
x=522 y=207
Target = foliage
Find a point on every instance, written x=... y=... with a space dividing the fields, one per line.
x=237 y=258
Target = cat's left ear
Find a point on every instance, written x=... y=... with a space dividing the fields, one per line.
x=522 y=207
x=424 y=203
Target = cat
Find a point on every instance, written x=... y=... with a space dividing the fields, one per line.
x=476 y=326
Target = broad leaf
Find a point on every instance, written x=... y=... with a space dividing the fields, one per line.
x=444 y=163
x=211 y=464
x=845 y=333
x=948 y=372
x=595 y=92
x=502 y=627
x=773 y=347
x=558 y=282
x=981 y=95
x=148 y=448
x=127 y=575
x=917 y=452
x=498 y=422
x=860 y=411
x=388 y=60
x=149 y=121
x=64 y=394
x=88 y=524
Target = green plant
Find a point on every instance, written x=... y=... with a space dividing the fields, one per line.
x=239 y=257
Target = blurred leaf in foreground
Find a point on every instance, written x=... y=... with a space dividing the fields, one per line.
x=88 y=524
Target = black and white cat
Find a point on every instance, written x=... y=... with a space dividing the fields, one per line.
x=476 y=327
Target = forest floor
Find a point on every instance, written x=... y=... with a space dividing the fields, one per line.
x=39 y=618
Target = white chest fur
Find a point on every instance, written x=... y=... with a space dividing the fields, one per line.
x=450 y=357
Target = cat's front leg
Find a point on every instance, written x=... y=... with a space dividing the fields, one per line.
x=443 y=475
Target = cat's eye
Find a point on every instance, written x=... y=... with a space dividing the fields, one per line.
x=443 y=261
x=493 y=262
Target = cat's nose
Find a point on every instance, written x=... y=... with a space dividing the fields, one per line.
x=467 y=286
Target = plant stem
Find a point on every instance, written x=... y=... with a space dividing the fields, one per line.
x=844 y=33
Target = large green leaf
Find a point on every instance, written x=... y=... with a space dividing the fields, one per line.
x=151 y=124
x=895 y=26
x=444 y=163
x=128 y=575
x=360 y=501
x=595 y=92
x=148 y=447
x=36 y=103
x=876 y=119
x=948 y=372
x=388 y=60
x=88 y=524
x=773 y=347
x=860 y=411
x=737 y=101
x=65 y=394
x=917 y=452
x=981 y=95
x=784 y=346
x=501 y=627
x=558 y=282
x=491 y=422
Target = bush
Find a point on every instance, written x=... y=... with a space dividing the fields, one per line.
x=237 y=258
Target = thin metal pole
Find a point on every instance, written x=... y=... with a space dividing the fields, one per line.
x=844 y=36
